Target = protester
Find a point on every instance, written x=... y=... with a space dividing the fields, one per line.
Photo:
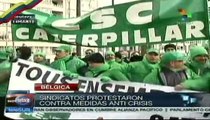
x=110 y=59
x=137 y=71
x=99 y=68
x=124 y=56
x=65 y=62
x=40 y=57
x=88 y=52
x=135 y=56
x=118 y=58
x=169 y=47
x=199 y=61
x=84 y=69
x=24 y=53
x=171 y=72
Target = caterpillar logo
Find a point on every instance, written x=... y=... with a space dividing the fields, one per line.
x=17 y=9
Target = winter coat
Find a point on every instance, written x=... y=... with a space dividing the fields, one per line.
x=167 y=77
x=114 y=64
x=137 y=71
x=106 y=71
x=198 y=68
x=68 y=64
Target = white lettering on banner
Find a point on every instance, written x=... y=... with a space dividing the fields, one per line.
x=40 y=34
x=133 y=12
x=173 y=32
x=125 y=38
x=69 y=38
x=138 y=38
x=194 y=29
x=56 y=38
x=108 y=38
x=103 y=18
x=152 y=37
x=22 y=33
x=90 y=39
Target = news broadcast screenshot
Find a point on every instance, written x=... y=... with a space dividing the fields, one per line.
x=131 y=59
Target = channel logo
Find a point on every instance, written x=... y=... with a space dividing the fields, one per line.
x=19 y=103
x=23 y=101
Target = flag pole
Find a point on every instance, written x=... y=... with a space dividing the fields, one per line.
x=6 y=35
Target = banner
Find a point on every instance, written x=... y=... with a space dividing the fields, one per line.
x=37 y=91
x=128 y=24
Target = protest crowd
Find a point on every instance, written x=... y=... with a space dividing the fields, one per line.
x=172 y=68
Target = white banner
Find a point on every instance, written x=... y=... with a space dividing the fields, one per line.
x=25 y=74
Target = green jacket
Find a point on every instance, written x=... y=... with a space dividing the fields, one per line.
x=158 y=77
x=5 y=69
x=114 y=64
x=199 y=84
x=199 y=69
x=68 y=64
x=137 y=71
x=44 y=63
x=106 y=71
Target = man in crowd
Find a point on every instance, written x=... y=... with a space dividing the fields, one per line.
x=99 y=68
x=24 y=53
x=135 y=56
x=169 y=47
x=110 y=59
x=137 y=71
x=65 y=62
x=84 y=69
x=199 y=61
x=171 y=72
x=119 y=59
x=40 y=57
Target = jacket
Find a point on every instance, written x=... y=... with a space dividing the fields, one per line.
x=68 y=64
x=167 y=77
x=137 y=71
x=106 y=71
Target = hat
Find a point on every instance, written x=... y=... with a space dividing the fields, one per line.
x=110 y=53
x=172 y=56
x=64 y=48
x=197 y=50
x=96 y=58
x=40 y=53
x=152 y=50
x=3 y=55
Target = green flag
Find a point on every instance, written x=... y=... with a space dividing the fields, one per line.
x=133 y=23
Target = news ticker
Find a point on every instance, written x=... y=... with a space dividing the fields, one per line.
x=122 y=109
x=29 y=102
